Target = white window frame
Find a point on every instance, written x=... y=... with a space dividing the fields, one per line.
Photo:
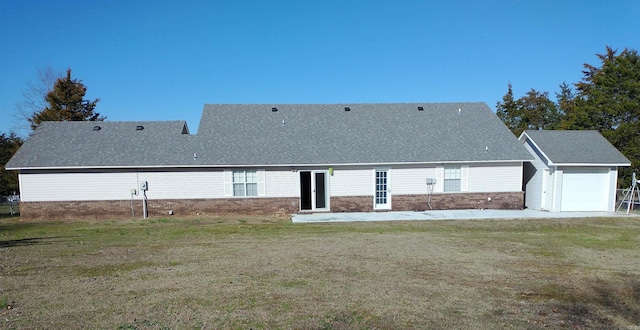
x=243 y=179
x=231 y=175
x=452 y=174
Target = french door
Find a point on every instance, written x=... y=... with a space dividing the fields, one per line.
x=382 y=191
x=314 y=192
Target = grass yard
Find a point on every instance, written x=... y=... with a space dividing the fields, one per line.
x=271 y=274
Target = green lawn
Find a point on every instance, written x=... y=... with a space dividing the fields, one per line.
x=271 y=274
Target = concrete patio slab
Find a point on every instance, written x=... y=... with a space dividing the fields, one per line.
x=447 y=215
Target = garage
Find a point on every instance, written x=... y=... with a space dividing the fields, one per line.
x=585 y=189
x=572 y=171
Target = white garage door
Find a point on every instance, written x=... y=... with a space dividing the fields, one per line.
x=585 y=189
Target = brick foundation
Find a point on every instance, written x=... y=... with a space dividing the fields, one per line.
x=459 y=201
x=261 y=206
x=453 y=201
x=352 y=204
x=155 y=208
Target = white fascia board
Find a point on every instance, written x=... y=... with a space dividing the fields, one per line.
x=268 y=165
x=527 y=137
x=591 y=164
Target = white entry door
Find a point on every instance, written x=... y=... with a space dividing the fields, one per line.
x=382 y=191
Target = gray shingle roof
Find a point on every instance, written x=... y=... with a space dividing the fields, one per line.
x=295 y=134
x=368 y=133
x=115 y=144
x=576 y=147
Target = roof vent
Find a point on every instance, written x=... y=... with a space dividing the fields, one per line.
x=97 y=128
x=139 y=128
x=274 y=109
x=347 y=109
x=420 y=108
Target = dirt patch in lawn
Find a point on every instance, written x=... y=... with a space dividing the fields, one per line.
x=268 y=273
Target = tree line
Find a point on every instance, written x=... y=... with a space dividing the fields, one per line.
x=606 y=99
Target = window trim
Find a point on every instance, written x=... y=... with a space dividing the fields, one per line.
x=447 y=172
x=245 y=182
x=229 y=182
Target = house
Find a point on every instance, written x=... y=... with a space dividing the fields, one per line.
x=571 y=171
x=275 y=159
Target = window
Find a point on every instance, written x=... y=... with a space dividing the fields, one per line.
x=452 y=177
x=245 y=183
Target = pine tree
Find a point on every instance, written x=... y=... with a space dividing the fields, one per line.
x=608 y=100
x=66 y=103
x=533 y=111
x=508 y=111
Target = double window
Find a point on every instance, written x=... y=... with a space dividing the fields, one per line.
x=452 y=176
x=245 y=183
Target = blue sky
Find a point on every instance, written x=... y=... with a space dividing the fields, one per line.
x=163 y=60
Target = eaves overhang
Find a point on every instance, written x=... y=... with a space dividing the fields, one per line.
x=27 y=168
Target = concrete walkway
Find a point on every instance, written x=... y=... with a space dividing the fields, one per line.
x=448 y=215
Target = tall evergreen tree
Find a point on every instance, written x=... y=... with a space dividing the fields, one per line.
x=608 y=100
x=508 y=110
x=66 y=103
x=533 y=111
x=565 y=100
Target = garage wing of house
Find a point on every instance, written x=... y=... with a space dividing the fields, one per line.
x=572 y=171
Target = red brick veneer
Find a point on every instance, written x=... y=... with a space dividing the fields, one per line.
x=449 y=201
x=261 y=206
x=180 y=207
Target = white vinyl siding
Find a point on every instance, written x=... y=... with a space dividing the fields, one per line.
x=613 y=185
x=351 y=182
x=84 y=186
x=496 y=178
x=409 y=181
x=534 y=187
x=183 y=185
x=556 y=193
x=282 y=183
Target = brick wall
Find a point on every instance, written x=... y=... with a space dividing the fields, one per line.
x=459 y=201
x=261 y=206
x=122 y=209
x=452 y=201
x=352 y=204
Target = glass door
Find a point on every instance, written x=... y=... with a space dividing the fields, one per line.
x=382 y=193
x=314 y=191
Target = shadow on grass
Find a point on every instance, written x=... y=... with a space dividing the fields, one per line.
x=31 y=241
x=596 y=305
x=22 y=242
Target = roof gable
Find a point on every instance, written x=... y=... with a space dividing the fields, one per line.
x=575 y=147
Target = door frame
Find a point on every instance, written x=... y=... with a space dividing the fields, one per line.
x=312 y=190
x=387 y=205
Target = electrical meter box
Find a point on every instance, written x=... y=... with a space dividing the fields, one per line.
x=431 y=181
x=144 y=186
